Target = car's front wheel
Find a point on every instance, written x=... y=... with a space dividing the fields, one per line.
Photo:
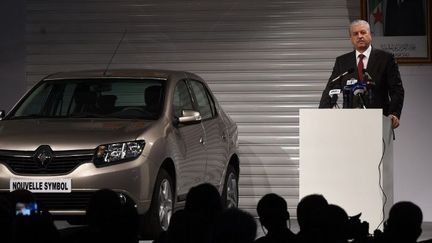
x=158 y=217
x=230 y=194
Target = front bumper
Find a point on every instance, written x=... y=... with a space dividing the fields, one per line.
x=132 y=179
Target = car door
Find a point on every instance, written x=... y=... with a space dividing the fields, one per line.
x=189 y=150
x=215 y=133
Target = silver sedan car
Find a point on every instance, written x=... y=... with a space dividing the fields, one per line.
x=150 y=135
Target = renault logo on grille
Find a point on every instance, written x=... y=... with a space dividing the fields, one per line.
x=43 y=155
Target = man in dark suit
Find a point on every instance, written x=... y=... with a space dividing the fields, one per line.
x=385 y=88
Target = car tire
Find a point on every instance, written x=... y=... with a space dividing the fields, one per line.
x=157 y=219
x=230 y=193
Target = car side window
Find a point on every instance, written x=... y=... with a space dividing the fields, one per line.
x=206 y=106
x=182 y=99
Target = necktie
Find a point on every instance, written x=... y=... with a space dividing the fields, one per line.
x=360 y=67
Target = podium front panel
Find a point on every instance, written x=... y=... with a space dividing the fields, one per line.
x=340 y=155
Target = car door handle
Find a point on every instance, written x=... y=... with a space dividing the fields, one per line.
x=202 y=141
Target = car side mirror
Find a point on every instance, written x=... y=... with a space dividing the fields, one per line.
x=190 y=117
x=2 y=114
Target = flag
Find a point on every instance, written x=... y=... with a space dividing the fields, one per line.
x=376 y=17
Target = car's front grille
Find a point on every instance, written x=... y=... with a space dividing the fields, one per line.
x=62 y=162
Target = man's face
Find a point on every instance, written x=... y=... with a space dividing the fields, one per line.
x=360 y=37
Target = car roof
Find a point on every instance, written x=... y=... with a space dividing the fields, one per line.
x=121 y=73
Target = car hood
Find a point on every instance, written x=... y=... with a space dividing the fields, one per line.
x=68 y=134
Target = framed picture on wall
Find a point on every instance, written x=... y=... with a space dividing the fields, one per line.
x=402 y=27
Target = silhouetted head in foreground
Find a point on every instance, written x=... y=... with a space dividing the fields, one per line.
x=179 y=229
x=203 y=206
x=31 y=223
x=310 y=211
x=336 y=227
x=235 y=226
x=103 y=209
x=404 y=222
x=6 y=217
x=111 y=218
x=311 y=217
x=205 y=200
x=273 y=212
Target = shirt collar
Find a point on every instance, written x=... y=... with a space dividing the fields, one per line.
x=366 y=53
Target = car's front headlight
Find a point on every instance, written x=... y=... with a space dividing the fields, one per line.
x=115 y=153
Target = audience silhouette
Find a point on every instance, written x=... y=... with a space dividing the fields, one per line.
x=403 y=224
x=336 y=227
x=109 y=219
x=235 y=226
x=25 y=225
x=196 y=222
x=311 y=218
x=203 y=205
x=358 y=231
x=273 y=215
x=38 y=228
x=204 y=220
x=180 y=229
x=6 y=218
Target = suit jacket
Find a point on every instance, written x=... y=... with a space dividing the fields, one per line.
x=388 y=92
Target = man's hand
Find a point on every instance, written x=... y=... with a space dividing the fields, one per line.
x=394 y=120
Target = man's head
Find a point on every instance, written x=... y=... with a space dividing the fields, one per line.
x=404 y=222
x=273 y=212
x=360 y=35
x=310 y=212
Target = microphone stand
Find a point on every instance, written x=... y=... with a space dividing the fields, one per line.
x=370 y=85
x=347 y=101
x=361 y=98
x=333 y=101
x=359 y=90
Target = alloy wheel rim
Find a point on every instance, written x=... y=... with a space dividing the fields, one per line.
x=165 y=204
x=232 y=192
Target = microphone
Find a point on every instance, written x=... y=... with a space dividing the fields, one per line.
x=366 y=76
x=370 y=85
x=349 y=71
x=334 y=93
x=347 y=100
x=359 y=90
x=347 y=92
x=368 y=80
x=351 y=82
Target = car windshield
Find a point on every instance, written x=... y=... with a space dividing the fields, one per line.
x=93 y=98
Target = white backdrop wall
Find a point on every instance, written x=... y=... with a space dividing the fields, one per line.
x=263 y=59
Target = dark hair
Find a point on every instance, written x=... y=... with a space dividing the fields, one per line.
x=272 y=210
x=404 y=221
x=235 y=226
x=204 y=199
x=309 y=209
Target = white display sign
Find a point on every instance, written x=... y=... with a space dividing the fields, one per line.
x=36 y=185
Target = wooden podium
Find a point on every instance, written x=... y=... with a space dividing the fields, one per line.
x=345 y=154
